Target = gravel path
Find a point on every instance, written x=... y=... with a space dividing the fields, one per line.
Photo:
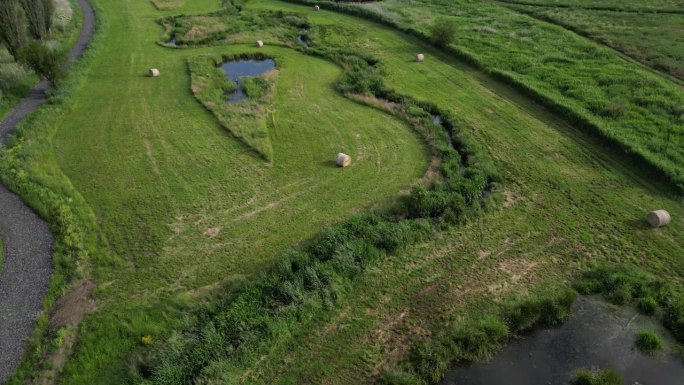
x=27 y=268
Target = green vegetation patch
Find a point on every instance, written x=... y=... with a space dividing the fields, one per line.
x=247 y=119
x=16 y=76
x=629 y=285
x=654 y=39
x=648 y=342
x=233 y=25
x=590 y=85
x=2 y=254
x=593 y=377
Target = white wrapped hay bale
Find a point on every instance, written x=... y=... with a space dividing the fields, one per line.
x=420 y=58
x=153 y=72
x=259 y=43
x=658 y=218
x=317 y=7
x=343 y=160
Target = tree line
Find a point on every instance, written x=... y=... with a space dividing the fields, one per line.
x=24 y=27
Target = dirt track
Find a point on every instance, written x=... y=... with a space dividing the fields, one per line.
x=27 y=267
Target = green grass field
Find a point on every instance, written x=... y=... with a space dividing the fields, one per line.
x=183 y=209
x=587 y=82
x=622 y=5
x=15 y=79
x=653 y=39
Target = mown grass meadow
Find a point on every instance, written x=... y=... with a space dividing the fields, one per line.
x=583 y=81
x=188 y=221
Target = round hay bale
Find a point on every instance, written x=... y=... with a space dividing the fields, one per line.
x=420 y=58
x=658 y=218
x=343 y=160
x=317 y=7
x=153 y=72
x=259 y=43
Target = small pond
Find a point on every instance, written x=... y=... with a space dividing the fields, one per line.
x=301 y=40
x=235 y=70
x=598 y=335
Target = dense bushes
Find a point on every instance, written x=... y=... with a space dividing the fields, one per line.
x=648 y=342
x=551 y=310
x=45 y=61
x=443 y=32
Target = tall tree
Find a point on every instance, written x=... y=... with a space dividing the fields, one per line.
x=49 y=11
x=35 y=15
x=46 y=62
x=12 y=26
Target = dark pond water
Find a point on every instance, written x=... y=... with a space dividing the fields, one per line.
x=172 y=42
x=301 y=40
x=597 y=336
x=235 y=70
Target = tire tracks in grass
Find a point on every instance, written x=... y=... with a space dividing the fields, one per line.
x=25 y=278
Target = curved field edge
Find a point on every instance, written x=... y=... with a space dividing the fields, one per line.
x=566 y=107
x=31 y=172
x=303 y=283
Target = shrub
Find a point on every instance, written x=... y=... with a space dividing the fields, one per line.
x=443 y=32
x=477 y=340
x=13 y=26
x=648 y=342
x=429 y=360
x=255 y=87
x=647 y=305
x=604 y=377
x=44 y=61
